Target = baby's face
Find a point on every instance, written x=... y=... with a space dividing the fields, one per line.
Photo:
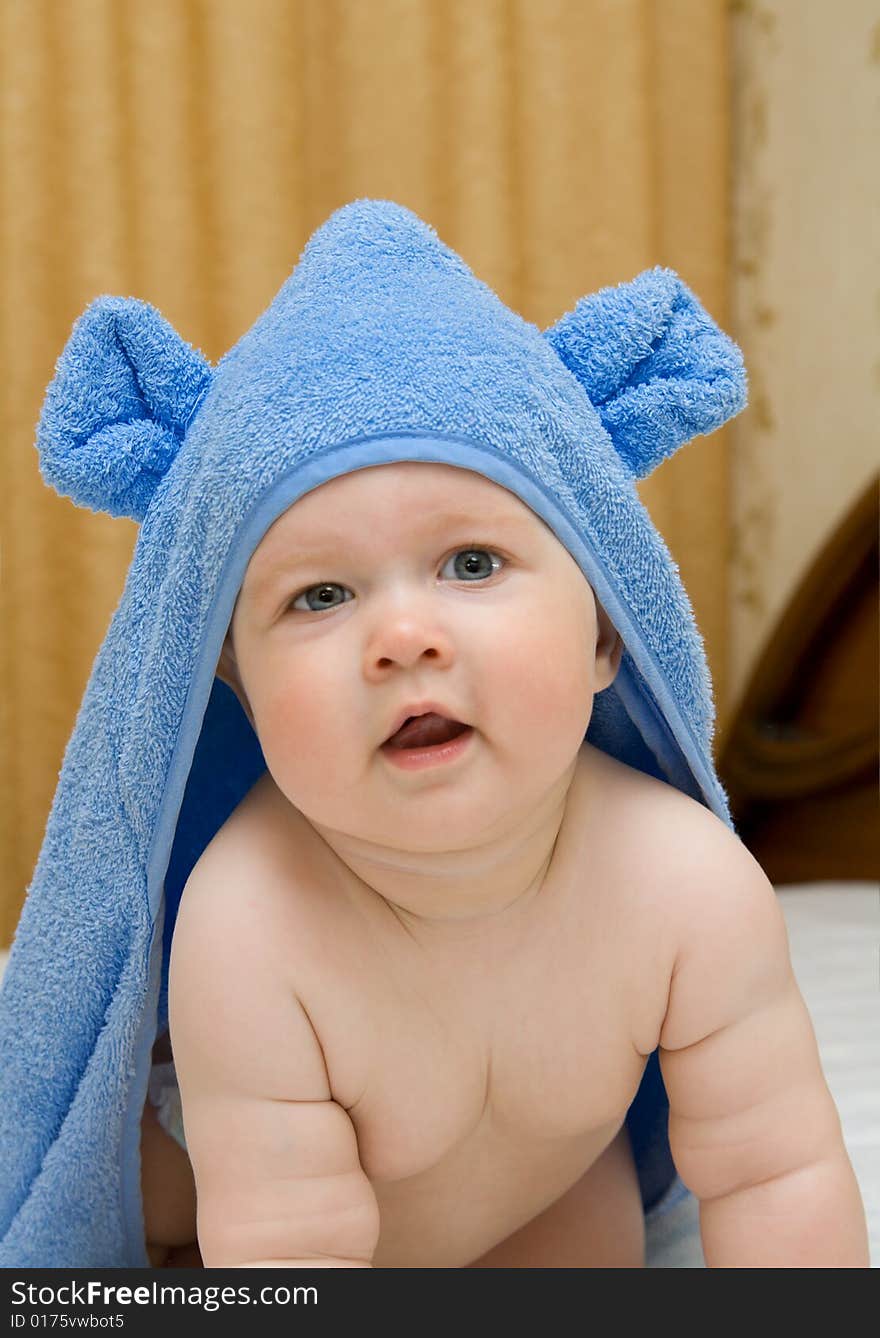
x=409 y=582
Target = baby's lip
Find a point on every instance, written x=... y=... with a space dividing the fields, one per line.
x=420 y=708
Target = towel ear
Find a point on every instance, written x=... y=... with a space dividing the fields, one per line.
x=125 y=389
x=654 y=363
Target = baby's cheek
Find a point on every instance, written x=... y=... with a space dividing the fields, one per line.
x=303 y=738
x=281 y=724
x=549 y=672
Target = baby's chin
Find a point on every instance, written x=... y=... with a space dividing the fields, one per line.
x=433 y=811
x=423 y=825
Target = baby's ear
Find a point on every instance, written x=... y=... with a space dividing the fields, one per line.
x=227 y=672
x=609 y=649
x=654 y=364
x=227 y=665
x=125 y=390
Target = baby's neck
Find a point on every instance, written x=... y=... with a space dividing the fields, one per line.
x=460 y=895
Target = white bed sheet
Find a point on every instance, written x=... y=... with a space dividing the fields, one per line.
x=834 y=936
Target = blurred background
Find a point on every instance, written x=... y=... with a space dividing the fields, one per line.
x=183 y=152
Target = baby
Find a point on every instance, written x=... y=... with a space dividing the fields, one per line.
x=451 y=959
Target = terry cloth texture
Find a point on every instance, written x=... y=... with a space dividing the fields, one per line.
x=381 y=346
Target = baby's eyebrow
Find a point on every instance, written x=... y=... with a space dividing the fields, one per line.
x=327 y=550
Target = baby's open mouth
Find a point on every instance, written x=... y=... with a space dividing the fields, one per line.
x=421 y=731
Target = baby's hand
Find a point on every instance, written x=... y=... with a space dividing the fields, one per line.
x=753 y=1128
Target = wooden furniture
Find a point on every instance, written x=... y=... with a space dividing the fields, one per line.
x=800 y=762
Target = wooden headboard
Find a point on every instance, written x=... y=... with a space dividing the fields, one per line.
x=800 y=761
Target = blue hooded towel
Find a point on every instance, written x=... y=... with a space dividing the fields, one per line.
x=380 y=346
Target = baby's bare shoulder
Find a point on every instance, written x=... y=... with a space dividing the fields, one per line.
x=244 y=940
x=680 y=867
x=710 y=896
x=256 y=883
x=655 y=828
x=668 y=819
x=700 y=857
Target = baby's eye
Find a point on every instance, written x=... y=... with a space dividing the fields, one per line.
x=472 y=563
x=323 y=597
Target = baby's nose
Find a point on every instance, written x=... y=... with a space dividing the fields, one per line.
x=406 y=639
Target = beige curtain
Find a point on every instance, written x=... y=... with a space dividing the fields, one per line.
x=805 y=256
x=183 y=151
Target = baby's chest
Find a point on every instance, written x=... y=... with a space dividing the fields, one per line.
x=518 y=1074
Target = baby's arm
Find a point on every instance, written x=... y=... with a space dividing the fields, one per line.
x=753 y=1128
x=278 y=1177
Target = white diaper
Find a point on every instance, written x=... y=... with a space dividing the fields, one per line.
x=672 y=1230
x=164 y=1094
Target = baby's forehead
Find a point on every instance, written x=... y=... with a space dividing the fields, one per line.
x=402 y=502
